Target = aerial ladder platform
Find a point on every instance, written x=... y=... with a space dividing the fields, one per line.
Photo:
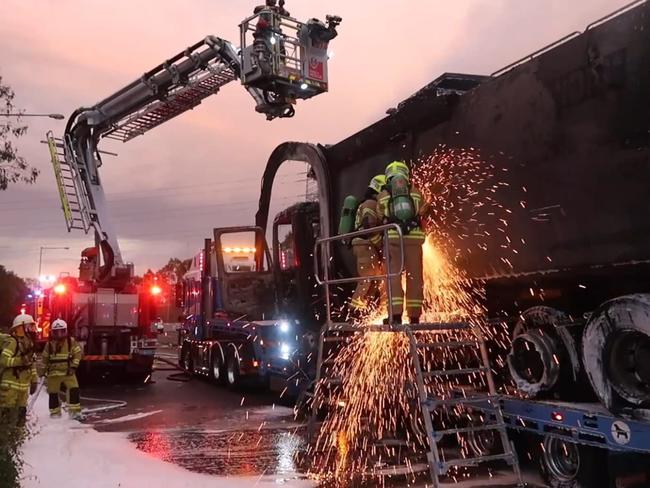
x=279 y=61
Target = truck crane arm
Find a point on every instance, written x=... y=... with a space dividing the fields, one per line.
x=279 y=61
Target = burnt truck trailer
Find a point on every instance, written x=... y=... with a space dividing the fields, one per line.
x=569 y=126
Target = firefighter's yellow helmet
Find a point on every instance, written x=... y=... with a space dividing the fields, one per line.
x=397 y=168
x=377 y=183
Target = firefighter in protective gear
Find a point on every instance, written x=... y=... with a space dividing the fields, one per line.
x=17 y=368
x=402 y=203
x=367 y=249
x=61 y=358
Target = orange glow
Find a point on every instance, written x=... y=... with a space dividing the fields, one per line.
x=59 y=289
x=156 y=290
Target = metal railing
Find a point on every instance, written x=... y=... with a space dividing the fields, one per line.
x=568 y=37
x=324 y=245
x=286 y=45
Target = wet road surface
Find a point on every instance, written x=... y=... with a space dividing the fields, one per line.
x=206 y=428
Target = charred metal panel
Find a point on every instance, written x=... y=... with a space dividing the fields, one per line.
x=572 y=127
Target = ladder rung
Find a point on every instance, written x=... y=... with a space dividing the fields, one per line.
x=454 y=372
x=440 y=326
x=450 y=344
x=343 y=327
x=466 y=430
x=332 y=381
x=434 y=402
x=477 y=460
x=399 y=469
x=335 y=339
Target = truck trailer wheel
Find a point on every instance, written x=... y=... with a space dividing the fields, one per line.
x=233 y=377
x=217 y=372
x=565 y=464
x=616 y=352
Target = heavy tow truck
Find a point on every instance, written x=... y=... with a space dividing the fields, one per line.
x=279 y=61
x=251 y=317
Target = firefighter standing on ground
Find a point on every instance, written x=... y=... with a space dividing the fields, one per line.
x=367 y=249
x=17 y=369
x=61 y=358
x=402 y=203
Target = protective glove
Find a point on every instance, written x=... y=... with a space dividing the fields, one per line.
x=32 y=388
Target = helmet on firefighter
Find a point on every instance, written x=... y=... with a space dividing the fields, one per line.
x=59 y=329
x=377 y=183
x=397 y=168
x=23 y=319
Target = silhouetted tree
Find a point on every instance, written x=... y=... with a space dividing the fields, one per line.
x=13 y=167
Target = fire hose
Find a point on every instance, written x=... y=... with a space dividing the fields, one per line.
x=180 y=376
x=112 y=404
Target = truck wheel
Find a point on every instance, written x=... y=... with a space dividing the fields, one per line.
x=216 y=366
x=565 y=464
x=232 y=370
x=188 y=364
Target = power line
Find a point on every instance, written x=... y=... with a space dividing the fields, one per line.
x=48 y=224
x=142 y=194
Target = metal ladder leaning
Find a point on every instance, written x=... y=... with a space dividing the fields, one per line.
x=482 y=409
x=72 y=192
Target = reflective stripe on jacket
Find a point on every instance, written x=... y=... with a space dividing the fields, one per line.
x=367 y=218
x=60 y=356
x=17 y=364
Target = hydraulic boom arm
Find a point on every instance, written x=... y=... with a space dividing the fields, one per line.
x=279 y=61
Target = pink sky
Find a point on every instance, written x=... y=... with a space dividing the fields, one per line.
x=169 y=188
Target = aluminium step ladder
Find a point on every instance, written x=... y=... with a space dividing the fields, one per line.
x=457 y=398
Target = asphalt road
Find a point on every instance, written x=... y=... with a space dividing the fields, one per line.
x=207 y=428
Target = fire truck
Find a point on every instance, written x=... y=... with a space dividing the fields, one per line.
x=279 y=60
x=114 y=327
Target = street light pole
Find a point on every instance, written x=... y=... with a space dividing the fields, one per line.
x=51 y=116
x=40 y=257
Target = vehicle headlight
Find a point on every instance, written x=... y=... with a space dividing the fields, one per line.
x=285 y=350
x=285 y=326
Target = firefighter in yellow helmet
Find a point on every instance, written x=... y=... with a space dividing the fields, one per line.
x=367 y=249
x=61 y=358
x=402 y=203
x=17 y=369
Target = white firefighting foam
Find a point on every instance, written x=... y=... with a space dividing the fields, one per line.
x=63 y=452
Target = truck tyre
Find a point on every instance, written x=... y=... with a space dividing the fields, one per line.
x=615 y=352
x=217 y=373
x=232 y=369
x=565 y=464
x=186 y=358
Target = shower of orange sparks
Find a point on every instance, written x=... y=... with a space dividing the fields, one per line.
x=377 y=390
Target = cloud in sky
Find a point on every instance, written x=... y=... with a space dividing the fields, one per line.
x=167 y=189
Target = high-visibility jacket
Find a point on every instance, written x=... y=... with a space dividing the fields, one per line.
x=17 y=368
x=61 y=357
x=384 y=214
x=367 y=218
x=45 y=326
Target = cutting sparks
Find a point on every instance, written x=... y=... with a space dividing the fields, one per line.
x=373 y=420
